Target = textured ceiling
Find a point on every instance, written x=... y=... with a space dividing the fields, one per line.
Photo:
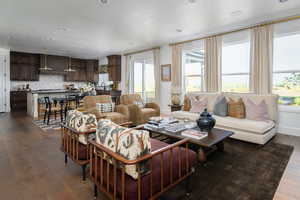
x=85 y=28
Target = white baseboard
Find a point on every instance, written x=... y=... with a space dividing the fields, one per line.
x=289 y=130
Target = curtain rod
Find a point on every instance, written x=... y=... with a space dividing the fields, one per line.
x=141 y=51
x=241 y=29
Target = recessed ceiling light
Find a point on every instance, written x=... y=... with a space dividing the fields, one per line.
x=49 y=38
x=103 y=2
x=282 y=1
x=63 y=29
x=236 y=13
x=179 y=30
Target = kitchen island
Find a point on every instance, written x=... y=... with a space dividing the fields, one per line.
x=35 y=97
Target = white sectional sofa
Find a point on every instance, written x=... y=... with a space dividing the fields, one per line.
x=258 y=132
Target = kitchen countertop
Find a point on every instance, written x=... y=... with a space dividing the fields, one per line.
x=54 y=91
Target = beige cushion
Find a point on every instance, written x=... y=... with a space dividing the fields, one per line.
x=211 y=98
x=271 y=100
x=257 y=127
x=116 y=117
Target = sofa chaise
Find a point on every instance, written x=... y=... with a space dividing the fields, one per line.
x=259 y=132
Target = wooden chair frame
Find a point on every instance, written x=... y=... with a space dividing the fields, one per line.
x=70 y=145
x=118 y=163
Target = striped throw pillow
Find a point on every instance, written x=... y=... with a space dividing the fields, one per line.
x=105 y=107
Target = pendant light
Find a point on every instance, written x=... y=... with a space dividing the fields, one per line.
x=69 y=69
x=45 y=68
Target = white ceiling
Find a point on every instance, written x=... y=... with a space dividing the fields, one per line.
x=85 y=28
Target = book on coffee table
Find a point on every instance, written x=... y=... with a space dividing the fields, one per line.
x=194 y=134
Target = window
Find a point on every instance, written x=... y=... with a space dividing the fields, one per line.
x=193 y=66
x=236 y=62
x=286 y=69
x=143 y=79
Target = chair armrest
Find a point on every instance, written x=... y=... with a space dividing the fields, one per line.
x=123 y=110
x=135 y=113
x=96 y=112
x=153 y=105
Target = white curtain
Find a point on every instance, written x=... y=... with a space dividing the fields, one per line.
x=261 y=59
x=128 y=74
x=157 y=74
x=176 y=68
x=213 y=55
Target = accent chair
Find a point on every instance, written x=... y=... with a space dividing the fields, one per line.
x=139 y=113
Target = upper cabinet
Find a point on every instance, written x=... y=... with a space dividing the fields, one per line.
x=85 y=70
x=114 y=67
x=57 y=63
x=24 y=66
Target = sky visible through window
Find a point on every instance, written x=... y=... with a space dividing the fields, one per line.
x=236 y=67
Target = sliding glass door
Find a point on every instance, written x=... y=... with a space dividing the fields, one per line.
x=143 y=79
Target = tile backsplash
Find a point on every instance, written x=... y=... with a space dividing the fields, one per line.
x=45 y=82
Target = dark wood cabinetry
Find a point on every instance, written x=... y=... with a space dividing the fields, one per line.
x=114 y=67
x=24 y=66
x=57 y=63
x=18 y=101
x=85 y=70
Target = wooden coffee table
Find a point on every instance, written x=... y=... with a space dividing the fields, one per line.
x=205 y=145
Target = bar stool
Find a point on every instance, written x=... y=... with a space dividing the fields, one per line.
x=52 y=108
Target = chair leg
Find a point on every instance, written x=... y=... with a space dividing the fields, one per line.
x=188 y=186
x=61 y=115
x=95 y=191
x=48 y=120
x=66 y=110
x=66 y=159
x=45 y=116
x=83 y=172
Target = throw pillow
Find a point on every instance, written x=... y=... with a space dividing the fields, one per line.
x=257 y=112
x=198 y=105
x=221 y=107
x=236 y=108
x=105 y=107
x=140 y=104
x=81 y=123
x=129 y=143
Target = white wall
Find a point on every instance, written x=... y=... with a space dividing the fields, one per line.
x=6 y=80
x=289 y=118
x=165 y=87
x=46 y=82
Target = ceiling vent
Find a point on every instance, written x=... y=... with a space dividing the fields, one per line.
x=103 y=2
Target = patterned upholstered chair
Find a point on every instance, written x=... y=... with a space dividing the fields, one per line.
x=139 y=113
x=128 y=164
x=76 y=131
x=119 y=115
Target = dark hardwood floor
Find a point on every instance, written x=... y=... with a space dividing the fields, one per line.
x=32 y=166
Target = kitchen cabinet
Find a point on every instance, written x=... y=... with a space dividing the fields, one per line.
x=114 y=67
x=92 y=70
x=57 y=63
x=24 y=66
x=85 y=70
x=18 y=101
